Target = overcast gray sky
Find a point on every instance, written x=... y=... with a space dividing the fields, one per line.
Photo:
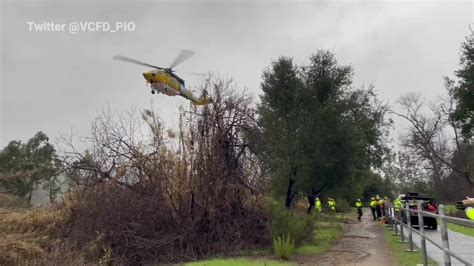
x=55 y=81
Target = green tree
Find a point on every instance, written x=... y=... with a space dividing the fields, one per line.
x=324 y=138
x=319 y=132
x=280 y=122
x=343 y=130
x=23 y=166
x=463 y=92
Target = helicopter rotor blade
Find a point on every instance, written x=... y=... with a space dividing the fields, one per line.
x=133 y=61
x=181 y=57
x=196 y=74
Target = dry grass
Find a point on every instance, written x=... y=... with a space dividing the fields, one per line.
x=29 y=235
x=43 y=221
x=15 y=248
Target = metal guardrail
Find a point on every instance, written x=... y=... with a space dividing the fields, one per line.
x=396 y=222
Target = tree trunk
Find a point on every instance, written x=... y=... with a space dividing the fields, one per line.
x=192 y=206
x=289 y=193
x=311 y=199
x=468 y=177
x=436 y=177
x=30 y=195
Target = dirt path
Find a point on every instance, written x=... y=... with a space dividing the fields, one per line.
x=362 y=243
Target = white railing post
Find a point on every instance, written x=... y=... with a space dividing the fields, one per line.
x=444 y=236
x=410 y=234
x=421 y=225
x=395 y=221
x=402 y=234
x=389 y=215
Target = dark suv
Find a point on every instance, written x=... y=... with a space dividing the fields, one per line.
x=427 y=204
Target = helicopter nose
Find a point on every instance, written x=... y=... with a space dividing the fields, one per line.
x=147 y=77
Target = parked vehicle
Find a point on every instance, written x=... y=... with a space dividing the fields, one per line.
x=427 y=204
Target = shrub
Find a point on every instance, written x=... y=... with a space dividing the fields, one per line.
x=138 y=226
x=342 y=205
x=284 y=222
x=454 y=212
x=10 y=201
x=283 y=247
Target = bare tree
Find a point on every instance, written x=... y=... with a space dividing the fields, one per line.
x=432 y=139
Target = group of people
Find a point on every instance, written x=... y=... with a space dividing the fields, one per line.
x=377 y=206
x=331 y=204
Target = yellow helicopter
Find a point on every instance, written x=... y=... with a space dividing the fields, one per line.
x=164 y=80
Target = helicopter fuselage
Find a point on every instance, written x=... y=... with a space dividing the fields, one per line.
x=164 y=82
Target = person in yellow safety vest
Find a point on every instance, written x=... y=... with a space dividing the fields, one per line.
x=332 y=205
x=373 y=204
x=359 y=206
x=470 y=213
x=397 y=206
x=378 y=206
x=469 y=202
x=317 y=204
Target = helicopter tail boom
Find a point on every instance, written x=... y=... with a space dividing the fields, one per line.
x=201 y=101
x=195 y=100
